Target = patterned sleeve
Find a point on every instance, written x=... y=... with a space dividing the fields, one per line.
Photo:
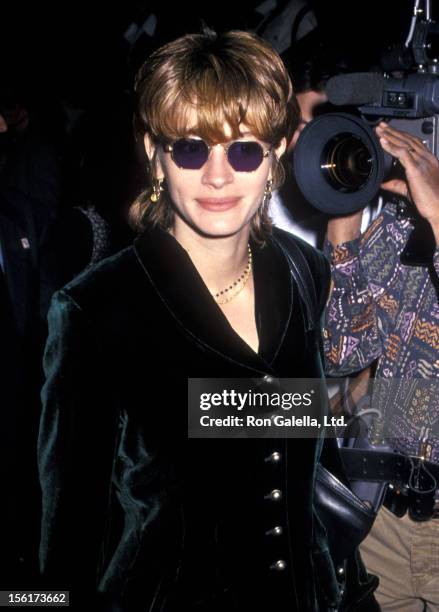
x=351 y=335
x=436 y=261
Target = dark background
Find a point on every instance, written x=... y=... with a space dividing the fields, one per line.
x=68 y=70
x=77 y=50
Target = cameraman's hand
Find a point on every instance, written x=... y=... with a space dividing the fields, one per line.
x=421 y=170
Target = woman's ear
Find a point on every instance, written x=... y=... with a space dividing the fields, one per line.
x=280 y=150
x=149 y=146
x=152 y=154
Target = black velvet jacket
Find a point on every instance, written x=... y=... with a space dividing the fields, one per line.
x=134 y=510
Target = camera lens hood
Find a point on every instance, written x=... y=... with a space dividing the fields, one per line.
x=310 y=151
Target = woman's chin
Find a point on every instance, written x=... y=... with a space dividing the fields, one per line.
x=219 y=230
x=218 y=227
x=214 y=225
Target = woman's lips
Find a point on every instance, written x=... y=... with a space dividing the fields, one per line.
x=217 y=204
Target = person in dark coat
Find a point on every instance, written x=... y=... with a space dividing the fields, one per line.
x=22 y=333
x=137 y=516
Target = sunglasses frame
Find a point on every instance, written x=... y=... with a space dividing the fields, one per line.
x=169 y=148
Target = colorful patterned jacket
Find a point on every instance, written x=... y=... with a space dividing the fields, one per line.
x=380 y=309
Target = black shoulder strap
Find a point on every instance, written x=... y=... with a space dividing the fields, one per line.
x=301 y=273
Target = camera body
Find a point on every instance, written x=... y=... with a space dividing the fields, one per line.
x=338 y=161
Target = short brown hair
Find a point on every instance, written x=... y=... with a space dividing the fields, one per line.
x=235 y=77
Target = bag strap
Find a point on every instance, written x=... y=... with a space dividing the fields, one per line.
x=301 y=273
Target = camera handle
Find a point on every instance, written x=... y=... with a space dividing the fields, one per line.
x=418 y=13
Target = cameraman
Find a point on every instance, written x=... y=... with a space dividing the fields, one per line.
x=381 y=310
x=310 y=62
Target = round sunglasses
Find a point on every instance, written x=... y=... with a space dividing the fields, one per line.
x=192 y=154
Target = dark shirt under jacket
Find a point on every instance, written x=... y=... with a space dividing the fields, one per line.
x=183 y=524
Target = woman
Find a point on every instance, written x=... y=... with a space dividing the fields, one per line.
x=132 y=509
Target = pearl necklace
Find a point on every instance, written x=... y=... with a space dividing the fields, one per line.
x=241 y=280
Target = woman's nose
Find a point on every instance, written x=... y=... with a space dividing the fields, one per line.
x=217 y=171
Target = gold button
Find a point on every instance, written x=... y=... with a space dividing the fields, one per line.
x=276 y=531
x=274 y=495
x=279 y=565
x=275 y=457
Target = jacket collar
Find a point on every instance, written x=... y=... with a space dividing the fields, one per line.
x=170 y=270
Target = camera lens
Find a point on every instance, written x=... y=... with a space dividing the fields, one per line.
x=346 y=163
x=339 y=163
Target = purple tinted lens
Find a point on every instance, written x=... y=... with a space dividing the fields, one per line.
x=190 y=154
x=245 y=156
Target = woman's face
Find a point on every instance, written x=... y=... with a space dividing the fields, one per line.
x=216 y=200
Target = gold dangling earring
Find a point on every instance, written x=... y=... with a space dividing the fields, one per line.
x=267 y=193
x=262 y=210
x=157 y=188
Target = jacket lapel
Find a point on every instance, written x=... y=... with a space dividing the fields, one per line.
x=173 y=275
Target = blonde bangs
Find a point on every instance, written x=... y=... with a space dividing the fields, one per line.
x=234 y=104
x=244 y=82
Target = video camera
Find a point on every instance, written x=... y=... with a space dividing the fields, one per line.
x=338 y=160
